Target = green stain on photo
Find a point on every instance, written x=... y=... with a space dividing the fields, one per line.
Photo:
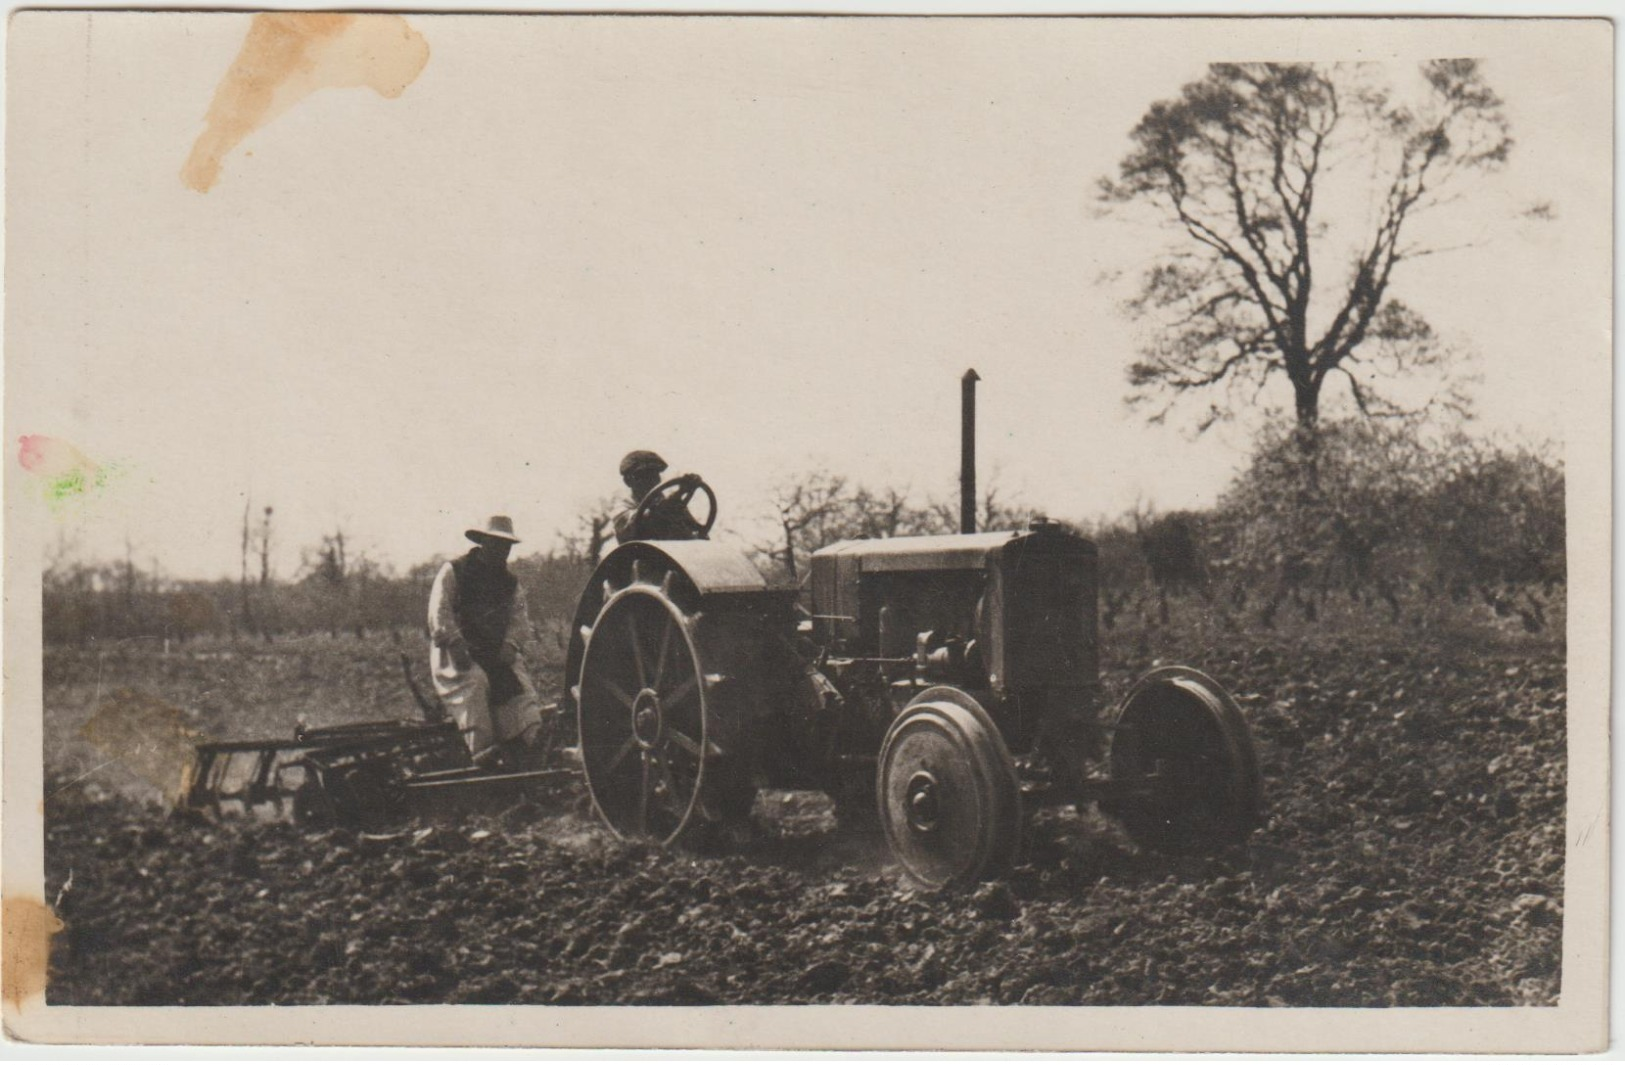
x=64 y=474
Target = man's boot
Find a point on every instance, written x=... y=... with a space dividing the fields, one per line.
x=528 y=750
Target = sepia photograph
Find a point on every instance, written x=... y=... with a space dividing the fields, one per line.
x=585 y=513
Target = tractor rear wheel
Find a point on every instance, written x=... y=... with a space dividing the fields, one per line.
x=1184 y=762
x=646 y=708
x=949 y=799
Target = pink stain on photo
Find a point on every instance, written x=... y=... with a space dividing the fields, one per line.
x=64 y=472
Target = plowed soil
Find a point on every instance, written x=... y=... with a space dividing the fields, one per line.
x=1412 y=855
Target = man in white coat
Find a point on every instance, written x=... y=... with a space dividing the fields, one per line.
x=477 y=624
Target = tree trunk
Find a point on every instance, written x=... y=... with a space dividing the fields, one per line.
x=1306 y=396
x=790 y=551
x=1303 y=468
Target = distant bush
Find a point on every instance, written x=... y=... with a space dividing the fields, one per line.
x=1498 y=517
x=84 y=603
x=1334 y=508
x=1380 y=510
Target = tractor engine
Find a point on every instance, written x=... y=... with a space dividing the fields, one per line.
x=1006 y=616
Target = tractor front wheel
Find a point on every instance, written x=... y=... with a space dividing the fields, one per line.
x=1183 y=764
x=948 y=795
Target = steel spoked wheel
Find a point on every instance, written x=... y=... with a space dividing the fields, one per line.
x=363 y=795
x=311 y=806
x=1185 y=763
x=642 y=710
x=949 y=799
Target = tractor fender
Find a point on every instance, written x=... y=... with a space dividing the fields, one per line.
x=704 y=568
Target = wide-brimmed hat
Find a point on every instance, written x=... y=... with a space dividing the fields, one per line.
x=499 y=527
x=641 y=460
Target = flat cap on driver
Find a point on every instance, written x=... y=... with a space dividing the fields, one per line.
x=641 y=460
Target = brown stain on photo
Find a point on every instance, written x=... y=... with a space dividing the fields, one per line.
x=289 y=55
x=27 y=925
x=146 y=735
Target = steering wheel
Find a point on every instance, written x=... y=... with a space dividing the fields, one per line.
x=681 y=490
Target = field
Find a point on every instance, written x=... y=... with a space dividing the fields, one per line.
x=1412 y=855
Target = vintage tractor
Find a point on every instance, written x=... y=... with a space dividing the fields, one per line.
x=946 y=684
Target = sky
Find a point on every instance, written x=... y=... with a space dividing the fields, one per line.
x=759 y=247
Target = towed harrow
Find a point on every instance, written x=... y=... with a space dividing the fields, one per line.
x=365 y=775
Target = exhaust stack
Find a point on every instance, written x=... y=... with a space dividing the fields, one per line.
x=967 y=451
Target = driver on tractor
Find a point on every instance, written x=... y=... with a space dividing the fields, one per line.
x=659 y=508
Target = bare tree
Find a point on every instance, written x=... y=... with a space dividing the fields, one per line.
x=331 y=564
x=992 y=514
x=805 y=506
x=128 y=579
x=265 y=548
x=820 y=508
x=326 y=583
x=881 y=514
x=594 y=529
x=1234 y=166
x=243 y=594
